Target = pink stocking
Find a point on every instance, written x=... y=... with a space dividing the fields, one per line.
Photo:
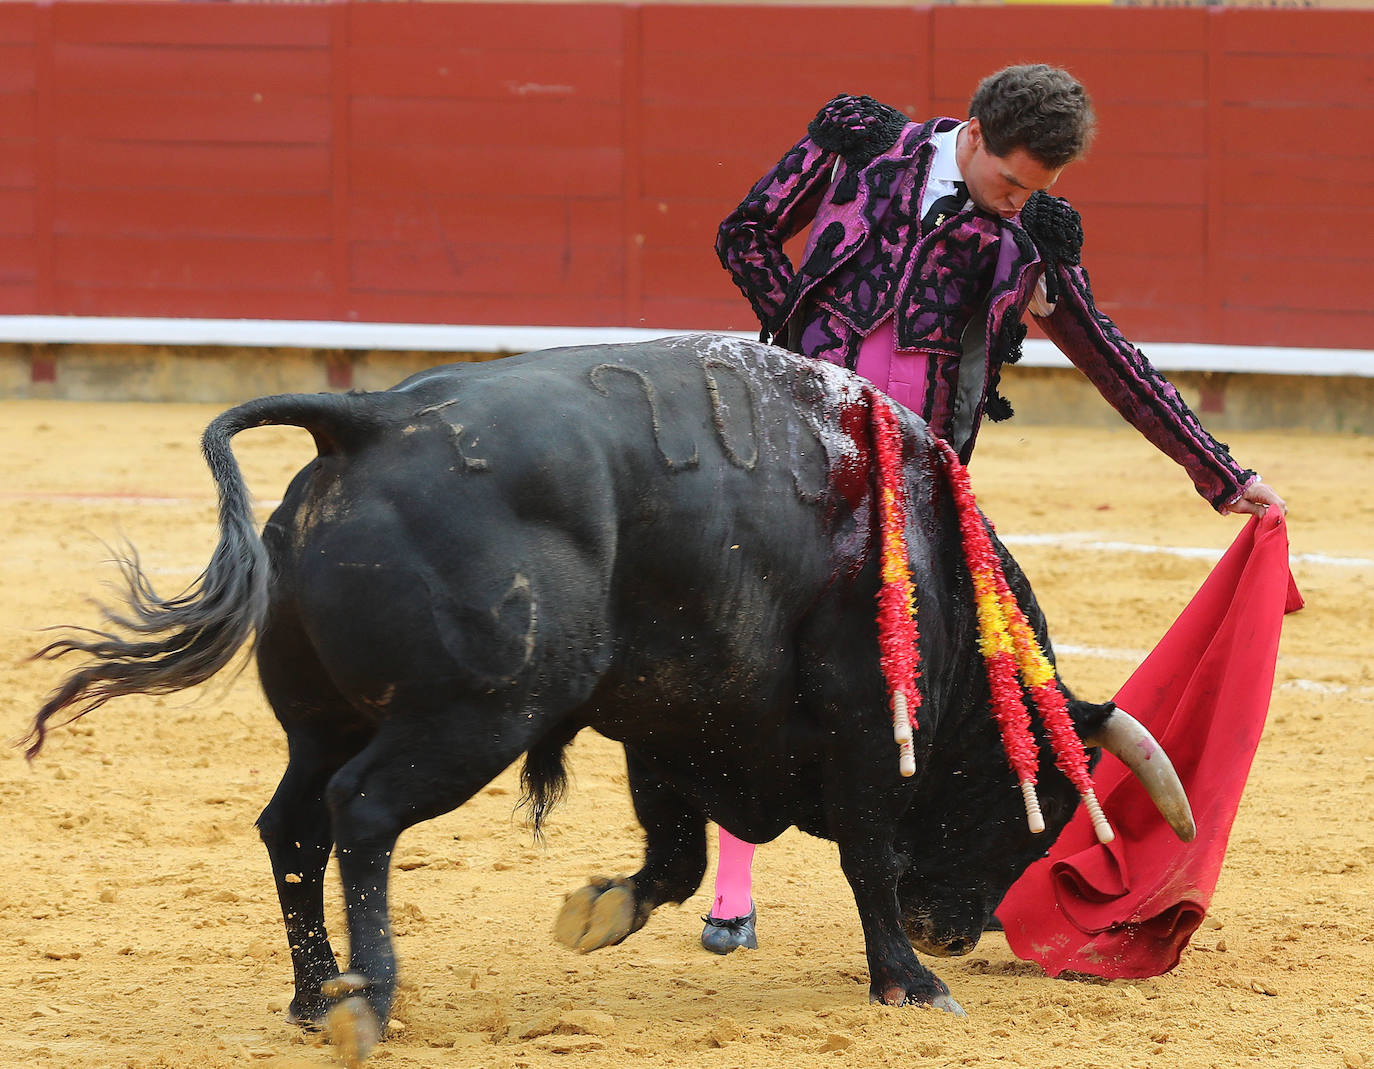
x=733 y=878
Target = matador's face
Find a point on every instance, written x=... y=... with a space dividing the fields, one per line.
x=1000 y=184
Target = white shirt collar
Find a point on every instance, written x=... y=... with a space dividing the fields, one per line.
x=945 y=166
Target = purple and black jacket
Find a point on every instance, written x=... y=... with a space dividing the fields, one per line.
x=956 y=293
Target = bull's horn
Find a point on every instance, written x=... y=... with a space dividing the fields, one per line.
x=1125 y=738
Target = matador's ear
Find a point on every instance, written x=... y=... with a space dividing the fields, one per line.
x=857 y=127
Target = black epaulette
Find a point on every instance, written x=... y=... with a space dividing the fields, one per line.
x=1054 y=226
x=857 y=127
x=1057 y=232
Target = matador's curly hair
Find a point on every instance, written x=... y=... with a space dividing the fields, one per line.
x=1036 y=107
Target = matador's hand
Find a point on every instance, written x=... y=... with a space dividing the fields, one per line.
x=1254 y=499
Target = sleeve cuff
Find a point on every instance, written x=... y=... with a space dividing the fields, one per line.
x=1234 y=498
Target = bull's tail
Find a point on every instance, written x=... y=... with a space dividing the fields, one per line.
x=544 y=776
x=160 y=645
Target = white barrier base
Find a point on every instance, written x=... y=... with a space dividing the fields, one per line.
x=413 y=337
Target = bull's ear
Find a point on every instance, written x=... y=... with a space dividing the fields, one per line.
x=1089 y=717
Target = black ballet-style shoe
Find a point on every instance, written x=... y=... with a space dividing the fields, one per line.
x=723 y=935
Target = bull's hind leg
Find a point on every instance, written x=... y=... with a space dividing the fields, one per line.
x=606 y=911
x=416 y=767
x=323 y=732
x=295 y=829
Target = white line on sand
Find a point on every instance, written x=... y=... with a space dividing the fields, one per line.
x=1084 y=541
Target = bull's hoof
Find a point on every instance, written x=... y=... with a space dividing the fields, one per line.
x=307 y=1014
x=352 y=1024
x=598 y=915
x=353 y=1030
x=896 y=995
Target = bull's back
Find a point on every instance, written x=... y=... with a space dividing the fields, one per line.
x=682 y=446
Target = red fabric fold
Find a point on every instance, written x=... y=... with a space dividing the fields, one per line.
x=1128 y=909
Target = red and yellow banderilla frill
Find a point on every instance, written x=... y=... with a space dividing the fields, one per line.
x=898 y=651
x=1010 y=649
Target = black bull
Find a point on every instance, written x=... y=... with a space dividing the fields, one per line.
x=672 y=543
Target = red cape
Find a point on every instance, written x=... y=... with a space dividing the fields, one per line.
x=1128 y=909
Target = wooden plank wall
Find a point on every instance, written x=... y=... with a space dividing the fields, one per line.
x=192 y=160
x=568 y=163
x=21 y=217
x=486 y=159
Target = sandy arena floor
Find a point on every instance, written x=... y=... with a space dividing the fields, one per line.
x=141 y=928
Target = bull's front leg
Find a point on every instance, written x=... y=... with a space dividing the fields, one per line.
x=896 y=977
x=606 y=911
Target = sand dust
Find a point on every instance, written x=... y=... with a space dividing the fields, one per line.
x=141 y=929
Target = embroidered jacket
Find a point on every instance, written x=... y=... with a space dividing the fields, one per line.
x=858 y=179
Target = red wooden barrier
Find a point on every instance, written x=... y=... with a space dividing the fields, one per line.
x=568 y=163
